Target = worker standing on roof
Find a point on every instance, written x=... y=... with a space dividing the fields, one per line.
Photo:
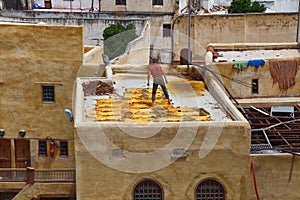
x=159 y=78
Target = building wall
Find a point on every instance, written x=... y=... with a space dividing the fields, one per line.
x=232 y=78
x=278 y=176
x=250 y=28
x=108 y=5
x=32 y=56
x=228 y=161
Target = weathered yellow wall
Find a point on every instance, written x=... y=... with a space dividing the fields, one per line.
x=278 y=176
x=228 y=162
x=138 y=6
x=255 y=28
x=239 y=82
x=30 y=56
x=39 y=190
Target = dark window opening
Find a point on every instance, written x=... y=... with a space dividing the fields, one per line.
x=48 y=93
x=42 y=148
x=167 y=30
x=254 y=86
x=210 y=189
x=148 y=190
x=120 y=2
x=64 y=149
x=157 y=2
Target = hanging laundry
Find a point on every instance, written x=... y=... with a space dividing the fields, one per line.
x=241 y=65
x=283 y=71
x=256 y=63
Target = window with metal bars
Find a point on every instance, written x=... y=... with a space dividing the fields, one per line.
x=166 y=30
x=42 y=148
x=64 y=149
x=120 y=2
x=210 y=189
x=157 y=2
x=148 y=190
x=48 y=93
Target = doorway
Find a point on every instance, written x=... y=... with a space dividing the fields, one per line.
x=5 y=154
x=22 y=153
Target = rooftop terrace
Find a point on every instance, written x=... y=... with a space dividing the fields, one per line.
x=129 y=100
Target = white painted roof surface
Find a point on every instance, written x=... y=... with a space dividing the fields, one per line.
x=257 y=54
x=180 y=91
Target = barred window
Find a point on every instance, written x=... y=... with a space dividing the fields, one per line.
x=42 y=148
x=166 y=30
x=148 y=190
x=120 y=2
x=48 y=93
x=157 y=2
x=64 y=149
x=210 y=189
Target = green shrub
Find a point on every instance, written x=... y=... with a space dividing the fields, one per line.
x=116 y=38
x=245 y=6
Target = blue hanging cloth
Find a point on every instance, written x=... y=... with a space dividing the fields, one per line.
x=256 y=63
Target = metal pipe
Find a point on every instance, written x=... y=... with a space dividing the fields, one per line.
x=297 y=34
x=189 y=33
x=254 y=180
x=172 y=38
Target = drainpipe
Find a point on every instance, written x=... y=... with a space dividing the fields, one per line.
x=189 y=33
x=172 y=34
x=92 y=6
x=172 y=38
x=254 y=180
x=297 y=34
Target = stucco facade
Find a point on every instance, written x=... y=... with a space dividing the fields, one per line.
x=34 y=56
x=245 y=28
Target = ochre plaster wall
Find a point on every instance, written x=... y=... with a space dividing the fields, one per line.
x=228 y=162
x=239 y=82
x=39 y=190
x=33 y=55
x=239 y=28
x=278 y=176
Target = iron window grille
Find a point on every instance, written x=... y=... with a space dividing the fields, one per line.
x=42 y=148
x=157 y=2
x=166 y=30
x=210 y=189
x=48 y=93
x=148 y=190
x=64 y=149
x=120 y=2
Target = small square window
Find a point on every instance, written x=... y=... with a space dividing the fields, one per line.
x=42 y=148
x=120 y=2
x=48 y=93
x=167 y=30
x=64 y=149
x=157 y=2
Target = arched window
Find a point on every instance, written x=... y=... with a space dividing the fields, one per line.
x=210 y=189
x=149 y=190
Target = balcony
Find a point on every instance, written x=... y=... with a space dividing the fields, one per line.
x=31 y=175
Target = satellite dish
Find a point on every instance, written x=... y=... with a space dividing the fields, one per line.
x=69 y=115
